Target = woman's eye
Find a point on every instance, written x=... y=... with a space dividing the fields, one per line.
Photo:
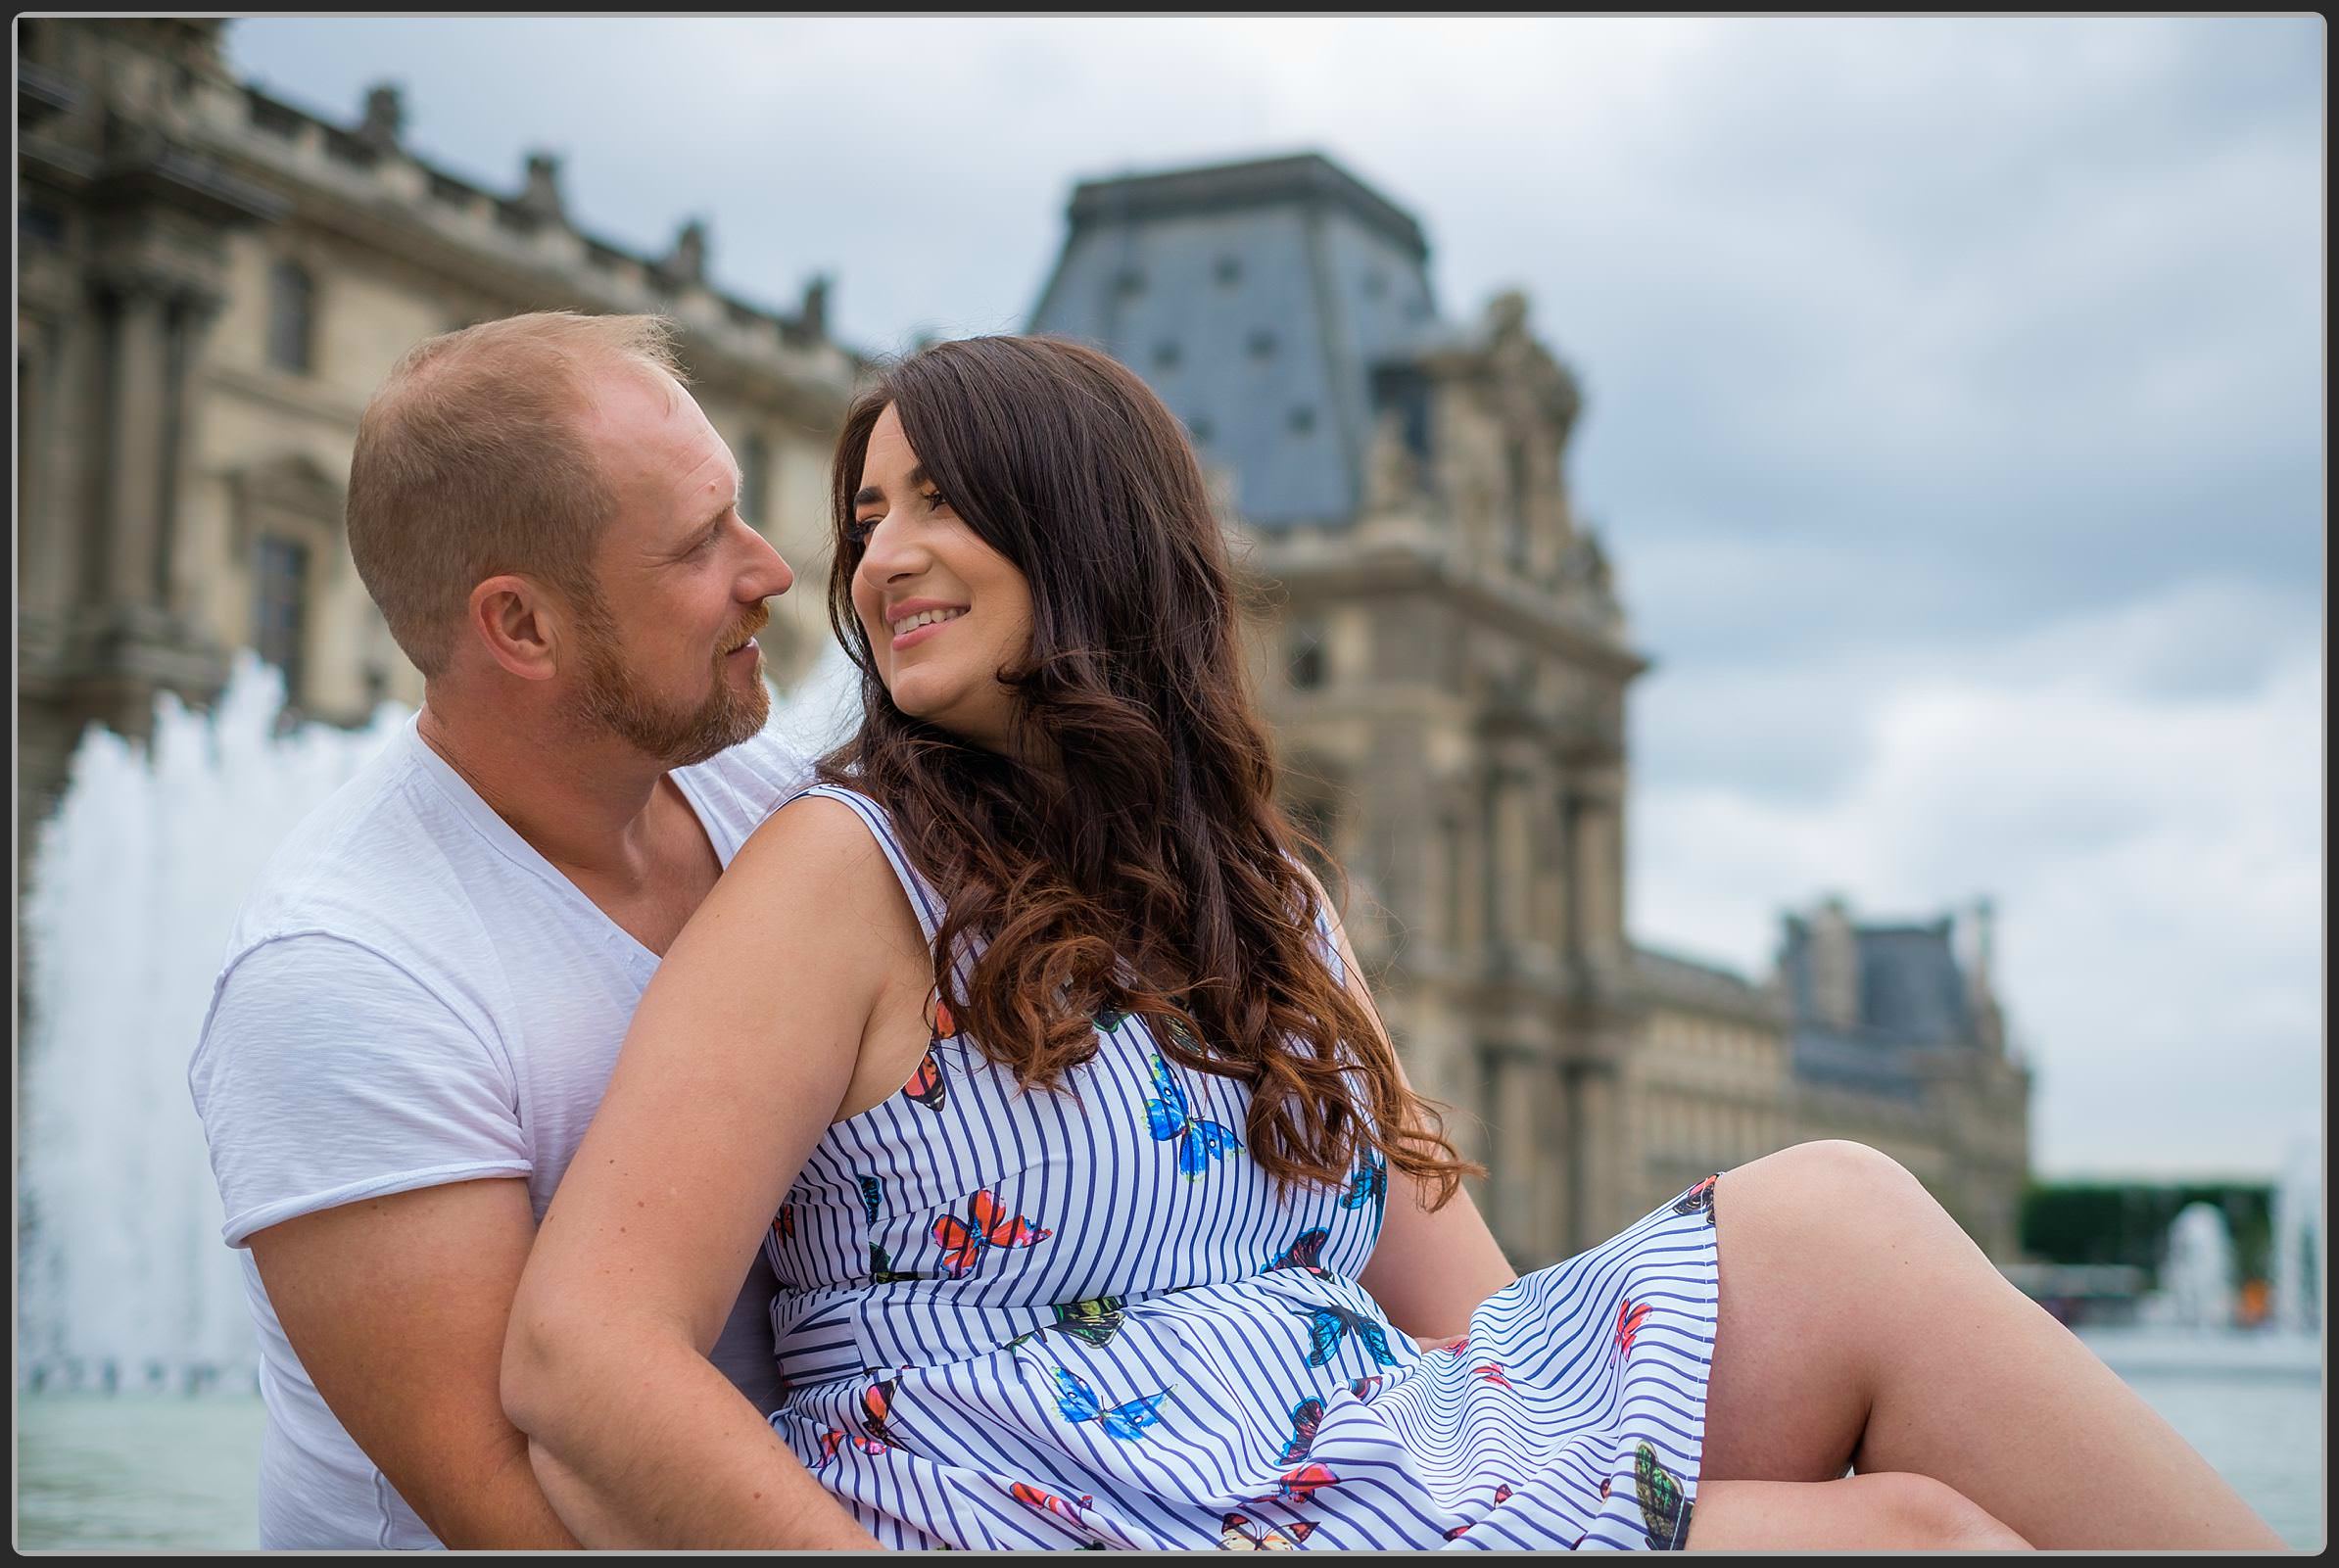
x=857 y=531
x=937 y=500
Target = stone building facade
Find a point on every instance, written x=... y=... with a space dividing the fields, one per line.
x=1446 y=661
x=211 y=284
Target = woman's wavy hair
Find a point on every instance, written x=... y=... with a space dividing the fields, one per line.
x=1154 y=874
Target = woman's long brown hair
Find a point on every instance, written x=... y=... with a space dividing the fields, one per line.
x=1152 y=873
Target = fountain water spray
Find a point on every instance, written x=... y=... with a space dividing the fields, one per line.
x=122 y=1282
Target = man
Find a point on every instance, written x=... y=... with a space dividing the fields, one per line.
x=425 y=995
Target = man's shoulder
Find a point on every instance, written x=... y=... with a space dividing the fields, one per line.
x=369 y=859
x=751 y=779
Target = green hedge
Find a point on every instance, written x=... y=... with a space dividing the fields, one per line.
x=2088 y=1223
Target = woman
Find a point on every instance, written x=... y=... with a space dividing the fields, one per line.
x=1104 y=1212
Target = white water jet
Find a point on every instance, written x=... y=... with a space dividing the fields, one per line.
x=2297 y=1305
x=2197 y=1275
x=122 y=1282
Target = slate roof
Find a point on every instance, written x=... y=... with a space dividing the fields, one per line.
x=1256 y=299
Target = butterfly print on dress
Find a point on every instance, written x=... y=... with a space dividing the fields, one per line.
x=1306 y=1417
x=1170 y=1119
x=988 y=1224
x=1328 y=1324
x=1077 y=1402
x=1238 y=1533
x=1629 y=1319
x=1663 y=1507
x=1304 y=1253
x=1368 y=1185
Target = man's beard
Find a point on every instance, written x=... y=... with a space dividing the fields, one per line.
x=612 y=702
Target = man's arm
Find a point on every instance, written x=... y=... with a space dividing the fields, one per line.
x=396 y=1307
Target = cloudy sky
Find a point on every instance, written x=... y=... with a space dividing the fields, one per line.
x=1955 y=417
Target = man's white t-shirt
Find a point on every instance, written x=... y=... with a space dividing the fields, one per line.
x=412 y=996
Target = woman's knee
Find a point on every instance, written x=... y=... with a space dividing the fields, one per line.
x=1828 y=1183
x=1885 y=1511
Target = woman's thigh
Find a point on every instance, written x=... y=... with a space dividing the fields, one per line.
x=1883 y=1512
x=1798 y=1233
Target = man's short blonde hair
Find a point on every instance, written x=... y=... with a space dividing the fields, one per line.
x=471 y=461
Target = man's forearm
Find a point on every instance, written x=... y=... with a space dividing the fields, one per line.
x=670 y=1454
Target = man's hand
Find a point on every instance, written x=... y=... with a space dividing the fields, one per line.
x=396 y=1307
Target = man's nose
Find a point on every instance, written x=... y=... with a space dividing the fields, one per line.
x=772 y=576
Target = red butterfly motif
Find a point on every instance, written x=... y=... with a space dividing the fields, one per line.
x=1458 y=1347
x=946 y=1026
x=1491 y=1373
x=785 y=1225
x=1502 y=1494
x=1305 y=1482
x=1629 y=1319
x=877 y=1407
x=1458 y=1531
x=831 y=1441
x=1364 y=1388
x=925 y=1085
x=1048 y=1501
x=994 y=1226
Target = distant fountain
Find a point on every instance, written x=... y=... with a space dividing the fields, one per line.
x=122 y=1282
x=2298 y=1242
x=2197 y=1277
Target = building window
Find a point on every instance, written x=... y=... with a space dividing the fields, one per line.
x=1516 y=517
x=1229 y=270
x=38 y=224
x=1199 y=428
x=279 y=607
x=1303 y=419
x=1263 y=344
x=1304 y=654
x=755 y=477
x=1165 y=355
x=1129 y=283
x=292 y=306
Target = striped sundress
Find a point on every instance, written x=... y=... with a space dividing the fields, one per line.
x=1088 y=1319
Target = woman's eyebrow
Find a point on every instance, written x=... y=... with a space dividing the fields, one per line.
x=871 y=495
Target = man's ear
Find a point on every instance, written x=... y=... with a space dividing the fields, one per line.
x=523 y=627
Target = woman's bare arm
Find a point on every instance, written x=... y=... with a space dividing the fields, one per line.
x=738 y=1059
x=1429 y=1269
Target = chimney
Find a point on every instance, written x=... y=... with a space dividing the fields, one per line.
x=685 y=263
x=812 y=315
x=542 y=196
x=385 y=116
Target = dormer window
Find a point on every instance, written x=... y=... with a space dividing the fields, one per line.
x=1166 y=355
x=1302 y=419
x=1229 y=271
x=1262 y=345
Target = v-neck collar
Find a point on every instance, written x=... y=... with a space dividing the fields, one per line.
x=506 y=840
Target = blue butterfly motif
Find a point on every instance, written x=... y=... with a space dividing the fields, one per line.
x=1199 y=1141
x=1368 y=1185
x=1327 y=1325
x=1078 y=1403
x=873 y=1197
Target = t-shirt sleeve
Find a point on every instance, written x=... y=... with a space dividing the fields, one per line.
x=326 y=1074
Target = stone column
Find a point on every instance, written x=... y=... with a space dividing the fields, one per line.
x=138 y=395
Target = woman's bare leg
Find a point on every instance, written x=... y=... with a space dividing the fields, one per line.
x=1858 y=1325
x=1858 y=1513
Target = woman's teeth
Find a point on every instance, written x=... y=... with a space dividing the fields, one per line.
x=926 y=618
